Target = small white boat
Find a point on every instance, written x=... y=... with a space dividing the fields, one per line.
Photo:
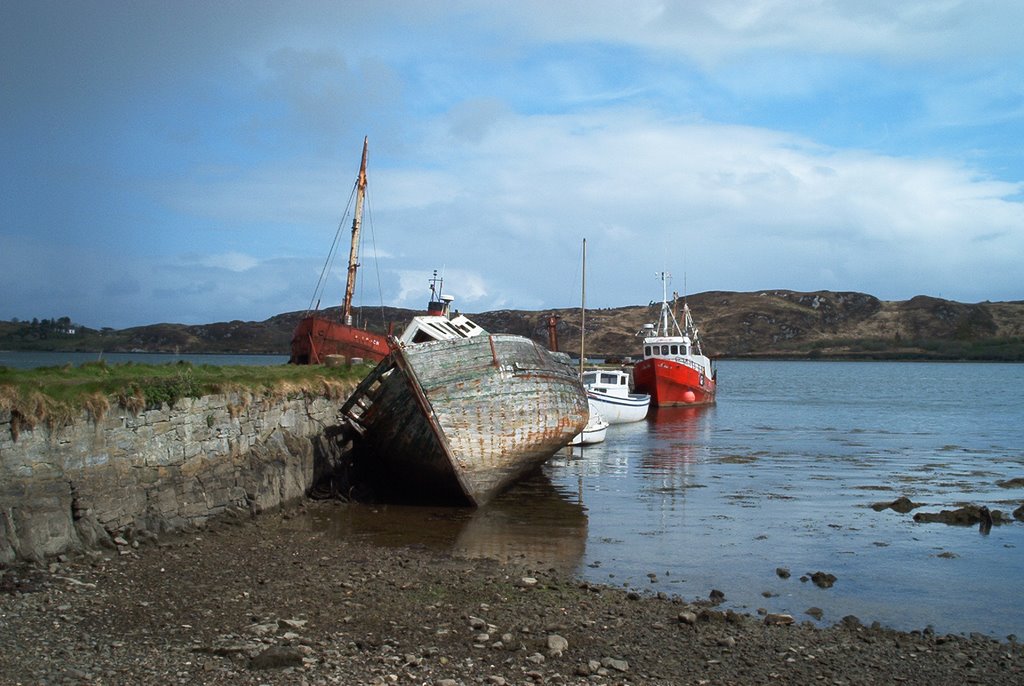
x=593 y=432
x=608 y=394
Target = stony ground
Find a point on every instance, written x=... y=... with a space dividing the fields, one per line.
x=252 y=602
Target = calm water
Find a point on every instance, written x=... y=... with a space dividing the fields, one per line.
x=31 y=360
x=781 y=473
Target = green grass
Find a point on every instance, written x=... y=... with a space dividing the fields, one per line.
x=57 y=395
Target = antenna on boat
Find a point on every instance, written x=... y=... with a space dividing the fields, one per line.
x=665 y=278
x=440 y=303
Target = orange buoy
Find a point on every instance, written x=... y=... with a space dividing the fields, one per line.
x=689 y=397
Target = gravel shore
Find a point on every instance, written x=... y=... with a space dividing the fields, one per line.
x=253 y=602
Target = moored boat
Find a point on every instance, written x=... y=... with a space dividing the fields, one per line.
x=597 y=426
x=609 y=395
x=317 y=337
x=456 y=414
x=674 y=369
x=594 y=432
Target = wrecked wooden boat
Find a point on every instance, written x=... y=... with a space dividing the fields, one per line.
x=455 y=414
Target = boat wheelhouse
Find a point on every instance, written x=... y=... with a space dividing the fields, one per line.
x=609 y=395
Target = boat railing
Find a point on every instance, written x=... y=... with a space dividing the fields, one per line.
x=681 y=359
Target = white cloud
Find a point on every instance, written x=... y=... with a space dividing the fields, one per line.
x=466 y=286
x=713 y=31
x=232 y=261
x=742 y=207
x=746 y=145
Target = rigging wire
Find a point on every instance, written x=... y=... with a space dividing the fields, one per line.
x=329 y=262
x=376 y=262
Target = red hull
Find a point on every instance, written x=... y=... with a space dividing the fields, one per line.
x=316 y=337
x=671 y=383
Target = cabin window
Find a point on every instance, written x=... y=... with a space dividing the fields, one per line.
x=664 y=350
x=675 y=349
x=622 y=381
x=647 y=351
x=608 y=378
x=590 y=377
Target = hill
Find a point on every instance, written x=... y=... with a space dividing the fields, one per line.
x=789 y=324
x=773 y=324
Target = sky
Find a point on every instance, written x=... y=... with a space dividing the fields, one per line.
x=191 y=162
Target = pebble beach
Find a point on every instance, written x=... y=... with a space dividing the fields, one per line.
x=247 y=601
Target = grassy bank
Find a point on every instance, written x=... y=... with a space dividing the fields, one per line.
x=57 y=395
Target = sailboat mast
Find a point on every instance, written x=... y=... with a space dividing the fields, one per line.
x=583 y=306
x=353 y=253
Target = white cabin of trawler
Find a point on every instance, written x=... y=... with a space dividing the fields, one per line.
x=665 y=346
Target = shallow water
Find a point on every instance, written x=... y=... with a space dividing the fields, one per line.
x=781 y=473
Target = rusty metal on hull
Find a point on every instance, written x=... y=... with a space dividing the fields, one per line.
x=316 y=337
x=460 y=420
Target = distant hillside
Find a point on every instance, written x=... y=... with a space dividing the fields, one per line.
x=786 y=324
x=778 y=323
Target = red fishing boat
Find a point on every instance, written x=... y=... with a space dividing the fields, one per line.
x=674 y=370
x=317 y=336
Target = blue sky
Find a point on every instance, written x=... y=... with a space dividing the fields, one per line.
x=191 y=161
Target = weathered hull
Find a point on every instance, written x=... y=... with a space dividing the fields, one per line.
x=316 y=337
x=671 y=383
x=459 y=421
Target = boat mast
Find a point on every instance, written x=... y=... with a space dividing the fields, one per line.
x=665 y=276
x=353 y=253
x=583 y=306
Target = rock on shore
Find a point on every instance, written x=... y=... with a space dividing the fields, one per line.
x=267 y=602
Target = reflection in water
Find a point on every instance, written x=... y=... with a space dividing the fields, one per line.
x=781 y=473
x=531 y=524
x=679 y=437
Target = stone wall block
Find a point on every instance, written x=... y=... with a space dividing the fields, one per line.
x=9 y=542
x=163 y=469
x=41 y=527
x=161 y=427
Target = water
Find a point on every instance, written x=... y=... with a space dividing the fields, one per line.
x=781 y=473
x=31 y=360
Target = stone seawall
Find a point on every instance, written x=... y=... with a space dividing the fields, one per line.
x=166 y=469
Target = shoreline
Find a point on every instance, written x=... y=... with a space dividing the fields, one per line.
x=253 y=601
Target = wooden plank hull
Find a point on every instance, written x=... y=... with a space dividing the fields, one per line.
x=459 y=421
